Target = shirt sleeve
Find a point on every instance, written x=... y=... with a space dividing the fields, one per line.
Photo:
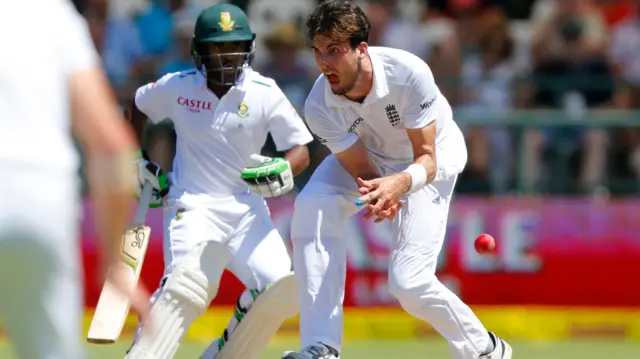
x=420 y=98
x=326 y=130
x=286 y=127
x=78 y=50
x=155 y=99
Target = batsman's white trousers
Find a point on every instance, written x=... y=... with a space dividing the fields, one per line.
x=41 y=281
x=321 y=210
x=255 y=252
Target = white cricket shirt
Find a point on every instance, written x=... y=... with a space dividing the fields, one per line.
x=404 y=96
x=43 y=42
x=215 y=137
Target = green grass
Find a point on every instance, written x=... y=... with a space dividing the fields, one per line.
x=411 y=349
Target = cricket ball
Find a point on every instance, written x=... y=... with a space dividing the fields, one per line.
x=485 y=244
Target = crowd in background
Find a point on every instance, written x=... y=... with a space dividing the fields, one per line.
x=546 y=60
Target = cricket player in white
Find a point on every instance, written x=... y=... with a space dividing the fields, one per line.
x=44 y=97
x=396 y=154
x=216 y=216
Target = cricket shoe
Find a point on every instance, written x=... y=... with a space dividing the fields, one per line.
x=317 y=351
x=501 y=349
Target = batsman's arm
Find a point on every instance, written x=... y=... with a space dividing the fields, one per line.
x=137 y=119
x=289 y=132
x=298 y=158
x=151 y=103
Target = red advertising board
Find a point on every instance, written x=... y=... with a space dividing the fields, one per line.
x=550 y=252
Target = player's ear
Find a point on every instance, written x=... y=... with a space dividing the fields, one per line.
x=362 y=49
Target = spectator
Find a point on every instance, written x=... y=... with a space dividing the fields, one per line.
x=471 y=23
x=570 y=73
x=285 y=66
x=439 y=47
x=118 y=43
x=624 y=55
x=178 y=58
x=488 y=87
x=155 y=25
x=266 y=14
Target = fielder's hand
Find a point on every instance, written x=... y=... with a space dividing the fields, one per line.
x=381 y=196
x=268 y=177
x=149 y=171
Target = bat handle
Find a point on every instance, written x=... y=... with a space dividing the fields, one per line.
x=143 y=204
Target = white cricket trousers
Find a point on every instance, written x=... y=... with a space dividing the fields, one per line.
x=418 y=230
x=41 y=282
x=246 y=240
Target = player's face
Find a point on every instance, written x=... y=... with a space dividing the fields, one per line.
x=338 y=61
x=225 y=56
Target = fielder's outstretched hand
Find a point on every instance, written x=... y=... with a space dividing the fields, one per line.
x=381 y=195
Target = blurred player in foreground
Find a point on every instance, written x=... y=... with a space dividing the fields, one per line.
x=43 y=99
x=396 y=154
x=216 y=216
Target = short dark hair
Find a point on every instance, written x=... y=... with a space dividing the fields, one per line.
x=342 y=20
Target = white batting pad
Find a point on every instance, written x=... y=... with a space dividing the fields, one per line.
x=275 y=305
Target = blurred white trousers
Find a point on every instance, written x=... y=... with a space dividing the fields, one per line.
x=418 y=231
x=41 y=280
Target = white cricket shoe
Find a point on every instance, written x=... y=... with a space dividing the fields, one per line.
x=501 y=350
x=317 y=351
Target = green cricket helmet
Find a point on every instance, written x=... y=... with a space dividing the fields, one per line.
x=222 y=24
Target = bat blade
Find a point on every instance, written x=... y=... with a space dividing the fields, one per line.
x=112 y=309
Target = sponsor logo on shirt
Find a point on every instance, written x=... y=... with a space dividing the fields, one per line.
x=355 y=124
x=193 y=105
x=426 y=105
x=392 y=114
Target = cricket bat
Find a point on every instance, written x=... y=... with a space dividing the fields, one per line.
x=113 y=308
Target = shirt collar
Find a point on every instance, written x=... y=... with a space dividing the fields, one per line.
x=379 y=88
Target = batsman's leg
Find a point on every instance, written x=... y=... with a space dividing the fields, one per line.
x=260 y=260
x=185 y=296
x=419 y=232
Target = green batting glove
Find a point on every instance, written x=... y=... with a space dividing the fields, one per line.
x=268 y=177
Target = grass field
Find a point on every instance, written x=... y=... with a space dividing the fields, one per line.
x=423 y=349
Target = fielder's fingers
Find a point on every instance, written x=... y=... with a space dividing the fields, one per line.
x=389 y=213
x=379 y=205
x=369 y=198
x=362 y=183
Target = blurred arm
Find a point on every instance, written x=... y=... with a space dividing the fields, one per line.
x=109 y=146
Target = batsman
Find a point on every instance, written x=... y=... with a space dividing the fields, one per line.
x=215 y=215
